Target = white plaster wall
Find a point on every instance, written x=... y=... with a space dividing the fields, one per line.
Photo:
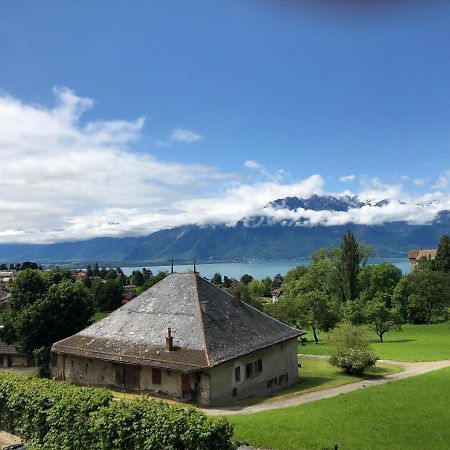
x=276 y=361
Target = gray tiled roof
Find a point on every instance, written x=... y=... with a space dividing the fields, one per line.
x=208 y=327
x=6 y=349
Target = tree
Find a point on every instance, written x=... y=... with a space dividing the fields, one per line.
x=423 y=296
x=380 y=318
x=374 y=279
x=277 y=281
x=315 y=312
x=111 y=274
x=3 y=267
x=28 y=287
x=55 y=276
x=96 y=270
x=217 y=279
x=349 y=264
x=108 y=296
x=137 y=278
x=442 y=260
x=62 y=310
x=351 y=349
x=246 y=278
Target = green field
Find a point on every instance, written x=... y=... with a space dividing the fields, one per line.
x=318 y=374
x=409 y=414
x=414 y=343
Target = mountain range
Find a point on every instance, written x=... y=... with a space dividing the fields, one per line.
x=285 y=233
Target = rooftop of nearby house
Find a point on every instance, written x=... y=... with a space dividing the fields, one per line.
x=415 y=255
x=209 y=326
x=6 y=349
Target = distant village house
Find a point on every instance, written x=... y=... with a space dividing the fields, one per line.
x=183 y=338
x=415 y=256
x=277 y=294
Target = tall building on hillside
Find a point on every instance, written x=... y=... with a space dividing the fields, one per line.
x=184 y=338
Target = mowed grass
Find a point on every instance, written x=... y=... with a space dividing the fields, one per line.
x=414 y=343
x=409 y=414
x=318 y=374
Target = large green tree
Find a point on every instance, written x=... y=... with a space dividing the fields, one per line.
x=423 y=296
x=108 y=295
x=381 y=318
x=442 y=261
x=350 y=259
x=60 y=310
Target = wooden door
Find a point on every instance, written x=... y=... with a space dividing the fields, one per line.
x=120 y=376
x=185 y=386
x=132 y=374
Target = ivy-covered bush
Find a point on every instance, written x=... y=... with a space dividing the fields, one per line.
x=57 y=416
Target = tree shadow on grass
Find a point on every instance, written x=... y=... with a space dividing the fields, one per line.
x=392 y=341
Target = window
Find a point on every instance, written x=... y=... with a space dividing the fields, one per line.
x=54 y=360
x=249 y=370
x=237 y=374
x=254 y=368
x=259 y=364
x=269 y=383
x=234 y=392
x=156 y=376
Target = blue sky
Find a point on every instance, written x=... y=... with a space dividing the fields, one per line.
x=298 y=91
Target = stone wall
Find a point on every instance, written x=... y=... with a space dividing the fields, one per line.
x=279 y=370
x=273 y=368
x=93 y=372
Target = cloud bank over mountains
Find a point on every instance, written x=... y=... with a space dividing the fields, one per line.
x=64 y=178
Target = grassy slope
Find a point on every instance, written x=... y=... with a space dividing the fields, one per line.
x=408 y=414
x=414 y=343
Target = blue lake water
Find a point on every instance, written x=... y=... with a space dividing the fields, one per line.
x=257 y=270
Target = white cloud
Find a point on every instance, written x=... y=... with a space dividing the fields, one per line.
x=420 y=181
x=252 y=165
x=64 y=179
x=346 y=178
x=187 y=136
x=443 y=181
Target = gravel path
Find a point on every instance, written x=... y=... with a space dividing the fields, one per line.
x=411 y=369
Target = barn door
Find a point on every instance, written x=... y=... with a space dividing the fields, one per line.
x=185 y=387
x=120 y=376
x=132 y=377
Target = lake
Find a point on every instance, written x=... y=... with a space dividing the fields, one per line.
x=257 y=270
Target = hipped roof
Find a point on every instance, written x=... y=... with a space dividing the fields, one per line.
x=208 y=326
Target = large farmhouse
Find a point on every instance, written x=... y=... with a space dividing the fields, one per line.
x=184 y=338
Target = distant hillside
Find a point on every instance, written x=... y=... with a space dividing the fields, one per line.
x=251 y=238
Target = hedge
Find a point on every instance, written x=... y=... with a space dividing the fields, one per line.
x=53 y=415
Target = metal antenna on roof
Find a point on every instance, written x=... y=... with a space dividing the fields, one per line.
x=172 y=266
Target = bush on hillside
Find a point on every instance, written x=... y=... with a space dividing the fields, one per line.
x=351 y=349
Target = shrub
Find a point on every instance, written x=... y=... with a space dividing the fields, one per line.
x=57 y=416
x=351 y=349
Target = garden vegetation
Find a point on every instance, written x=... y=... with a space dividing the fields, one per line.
x=51 y=415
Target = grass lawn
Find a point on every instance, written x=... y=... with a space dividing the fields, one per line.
x=414 y=343
x=317 y=374
x=408 y=414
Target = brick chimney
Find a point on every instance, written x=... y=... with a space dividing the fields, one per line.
x=169 y=340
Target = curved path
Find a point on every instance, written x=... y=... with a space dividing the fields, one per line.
x=411 y=369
